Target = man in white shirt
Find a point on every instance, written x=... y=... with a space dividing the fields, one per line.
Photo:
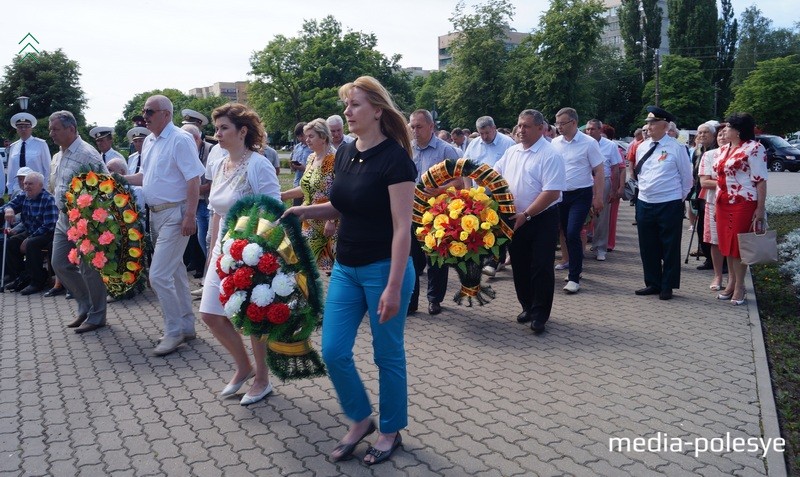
x=104 y=140
x=583 y=164
x=460 y=140
x=136 y=137
x=665 y=177
x=170 y=179
x=28 y=151
x=491 y=146
x=594 y=128
x=535 y=175
x=336 y=125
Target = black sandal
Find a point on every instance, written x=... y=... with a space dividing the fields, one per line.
x=380 y=455
x=346 y=450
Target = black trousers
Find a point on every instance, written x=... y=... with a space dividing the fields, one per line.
x=660 y=228
x=533 y=251
x=437 y=276
x=32 y=261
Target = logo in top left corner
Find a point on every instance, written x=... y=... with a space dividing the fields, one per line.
x=28 y=49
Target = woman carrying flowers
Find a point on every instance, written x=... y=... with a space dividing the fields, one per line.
x=315 y=188
x=242 y=172
x=372 y=194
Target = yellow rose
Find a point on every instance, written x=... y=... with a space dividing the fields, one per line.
x=489 y=215
x=440 y=221
x=432 y=201
x=482 y=198
x=439 y=233
x=420 y=231
x=488 y=240
x=427 y=218
x=486 y=225
x=430 y=241
x=456 y=205
x=458 y=249
x=463 y=236
x=470 y=223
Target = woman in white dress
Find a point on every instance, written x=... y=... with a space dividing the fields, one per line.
x=243 y=171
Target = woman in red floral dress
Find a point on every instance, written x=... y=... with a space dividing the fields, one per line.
x=741 y=169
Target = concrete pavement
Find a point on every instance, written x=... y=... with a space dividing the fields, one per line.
x=486 y=398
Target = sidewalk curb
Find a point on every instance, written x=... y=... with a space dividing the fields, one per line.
x=776 y=465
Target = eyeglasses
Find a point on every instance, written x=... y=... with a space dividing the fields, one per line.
x=564 y=123
x=150 y=112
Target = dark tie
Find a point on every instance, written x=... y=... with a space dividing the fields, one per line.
x=22 y=155
x=646 y=156
x=104 y=158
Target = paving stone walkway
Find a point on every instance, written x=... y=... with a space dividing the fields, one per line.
x=487 y=397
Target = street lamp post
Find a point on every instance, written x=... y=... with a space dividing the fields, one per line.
x=23 y=102
x=657 y=64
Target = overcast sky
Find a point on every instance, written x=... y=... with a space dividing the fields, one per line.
x=128 y=47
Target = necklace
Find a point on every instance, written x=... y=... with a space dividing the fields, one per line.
x=231 y=168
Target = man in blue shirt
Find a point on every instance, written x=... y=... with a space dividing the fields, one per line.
x=39 y=216
x=428 y=150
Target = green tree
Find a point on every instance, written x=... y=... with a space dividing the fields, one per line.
x=474 y=85
x=771 y=93
x=297 y=79
x=726 y=54
x=758 y=41
x=685 y=91
x=615 y=84
x=559 y=55
x=427 y=93
x=640 y=28
x=693 y=31
x=51 y=81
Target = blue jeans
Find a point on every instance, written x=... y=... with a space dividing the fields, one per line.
x=353 y=291
x=573 y=209
x=202 y=218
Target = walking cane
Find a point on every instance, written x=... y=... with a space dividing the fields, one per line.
x=5 y=246
x=691 y=239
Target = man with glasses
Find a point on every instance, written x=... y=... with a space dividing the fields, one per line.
x=665 y=177
x=28 y=151
x=84 y=282
x=170 y=180
x=582 y=161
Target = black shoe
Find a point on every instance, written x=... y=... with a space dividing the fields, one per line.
x=411 y=311
x=537 y=326
x=55 y=291
x=434 y=308
x=86 y=327
x=77 y=321
x=665 y=294
x=31 y=289
x=648 y=291
x=706 y=266
x=524 y=317
x=198 y=274
x=69 y=295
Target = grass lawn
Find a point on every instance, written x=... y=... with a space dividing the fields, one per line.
x=779 y=307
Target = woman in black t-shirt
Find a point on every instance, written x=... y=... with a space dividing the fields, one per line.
x=372 y=195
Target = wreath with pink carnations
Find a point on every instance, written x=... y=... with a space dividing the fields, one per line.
x=105 y=226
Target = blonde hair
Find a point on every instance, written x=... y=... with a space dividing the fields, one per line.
x=392 y=122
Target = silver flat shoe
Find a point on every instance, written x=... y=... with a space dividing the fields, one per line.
x=234 y=388
x=248 y=399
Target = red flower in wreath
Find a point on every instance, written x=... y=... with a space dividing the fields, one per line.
x=243 y=278
x=277 y=313
x=236 y=249
x=267 y=264
x=256 y=313
x=227 y=288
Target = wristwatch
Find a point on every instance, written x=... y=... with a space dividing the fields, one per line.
x=527 y=216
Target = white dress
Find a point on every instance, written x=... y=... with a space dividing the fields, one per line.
x=255 y=175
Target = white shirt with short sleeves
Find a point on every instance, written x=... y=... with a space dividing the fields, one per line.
x=581 y=155
x=37 y=157
x=169 y=160
x=667 y=173
x=531 y=171
x=611 y=155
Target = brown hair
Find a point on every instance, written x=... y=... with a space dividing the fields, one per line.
x=243 y=116
x=392 y=122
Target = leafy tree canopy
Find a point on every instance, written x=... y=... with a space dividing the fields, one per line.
x=51 y=81
x=771 y=93
x=684 y=91
x=297 y=79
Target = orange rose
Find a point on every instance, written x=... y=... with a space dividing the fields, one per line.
x=129 y=216
x=107 y=186
x=91 y=179
x=121 y=200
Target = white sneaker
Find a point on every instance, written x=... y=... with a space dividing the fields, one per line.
x=601 y=256
x=572 y=287
x=562 y=266
x=198 y=292
x=489 y=270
